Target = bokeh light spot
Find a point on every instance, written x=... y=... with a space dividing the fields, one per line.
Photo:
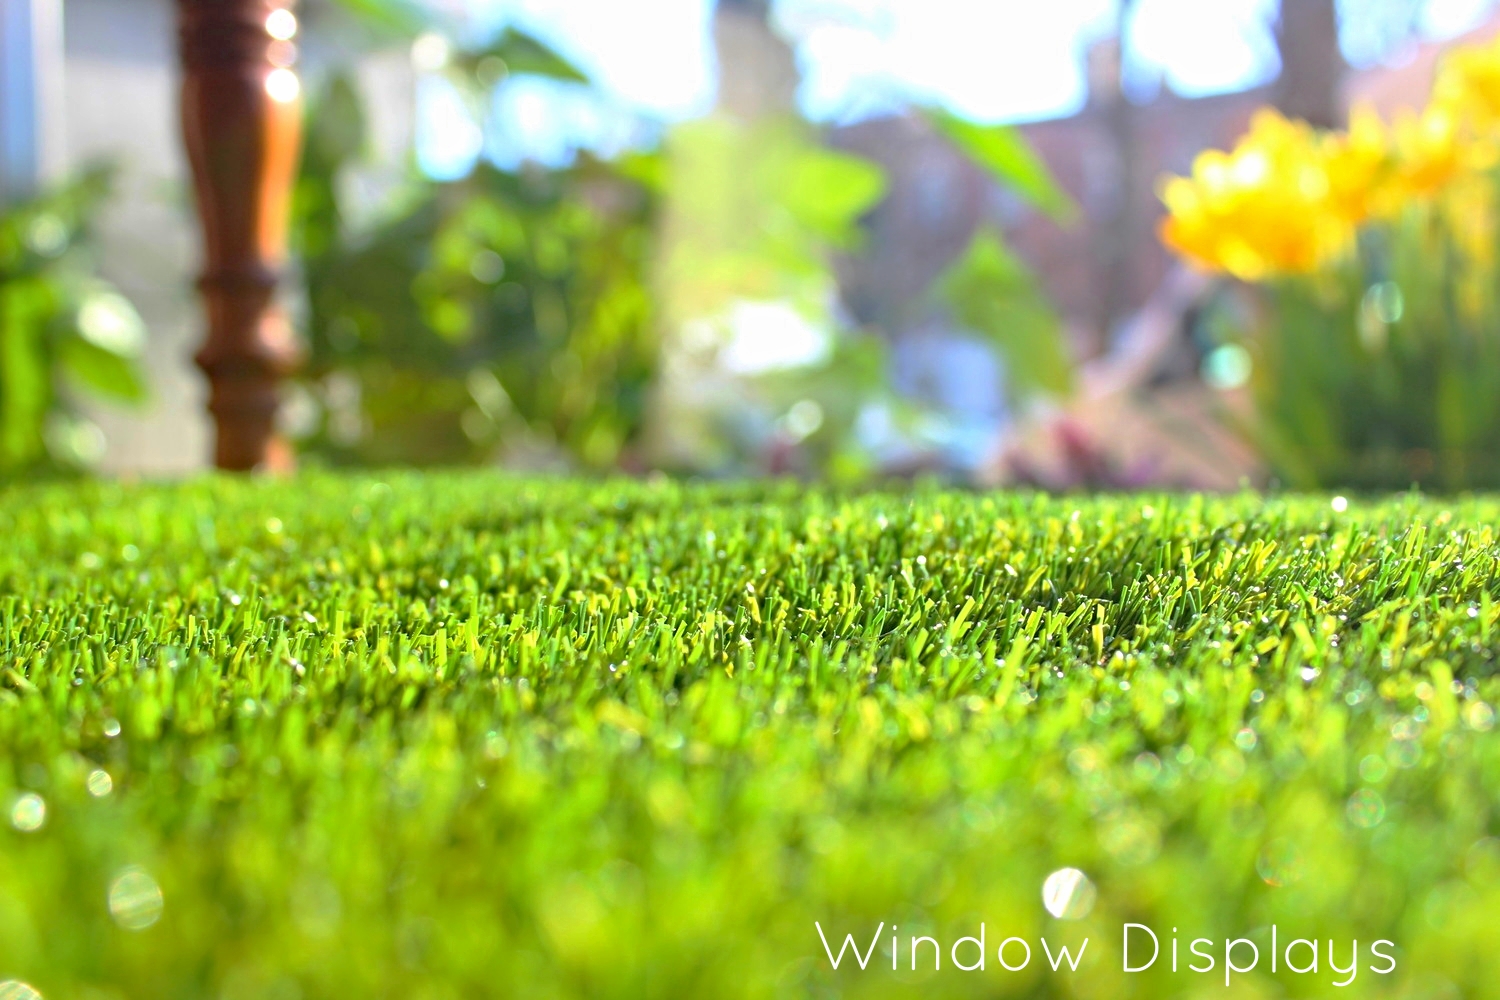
x=1068 y=894
x=29 y=813
x=135 y=900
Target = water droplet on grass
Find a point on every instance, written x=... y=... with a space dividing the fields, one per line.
x=1083 y=760
x=1068 y=894
x=28 y=813
x=1280 y=863
x=1373 y=769
x=14 y=989
x=1366 y=809
x=135 y=900
x=100 y=784
x=1404 y=753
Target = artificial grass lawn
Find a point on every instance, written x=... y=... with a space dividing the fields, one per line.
x=464 y=735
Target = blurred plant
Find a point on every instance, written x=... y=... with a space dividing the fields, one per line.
x=754 y=210
x=498 y=311
x=990 y=291
x=1079 y=461
x=1003 y=152
x=622 y=313
x=762 y=372
x=64 y=334
x=1380 y=366
x=756 y=213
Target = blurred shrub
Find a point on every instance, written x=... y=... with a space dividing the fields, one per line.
x=502 y=309
x=1380 y=365
x=753 y=211
x=990 y=291
x=584 y=315
x=762 y=373
x=64 y=334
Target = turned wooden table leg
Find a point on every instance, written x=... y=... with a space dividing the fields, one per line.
x=241 y=118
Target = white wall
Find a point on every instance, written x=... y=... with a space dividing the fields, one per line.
x=120 y=88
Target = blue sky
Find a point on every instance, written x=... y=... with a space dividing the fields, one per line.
x=991 y=60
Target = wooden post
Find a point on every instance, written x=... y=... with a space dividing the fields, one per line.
x=241 y=119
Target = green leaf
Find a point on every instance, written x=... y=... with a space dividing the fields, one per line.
x=336 y=125
x=992 y=293
x=648 y=168
x=391 y=18
x=523 y=53
x=754 y=211
x=108 y=321
x=25 y=387
x=1004 y=152
x=828 y=192
x=104 y=372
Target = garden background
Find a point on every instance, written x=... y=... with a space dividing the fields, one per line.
x=760 y=468
x=517 y=242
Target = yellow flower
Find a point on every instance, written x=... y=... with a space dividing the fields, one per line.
x=1266 y=208
x=1290 y=200
x=1431 y=151
x=1468 y=83
x=1358 y=164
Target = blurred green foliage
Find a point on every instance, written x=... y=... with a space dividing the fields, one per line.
x=754 y=211
x=1386 y=372
x=758 y=211
x=991 y=292
x=559 y=312
x=496 y=309
x=753 y=214
x=1006 y=155
x=453 y=735
x=65 y=335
